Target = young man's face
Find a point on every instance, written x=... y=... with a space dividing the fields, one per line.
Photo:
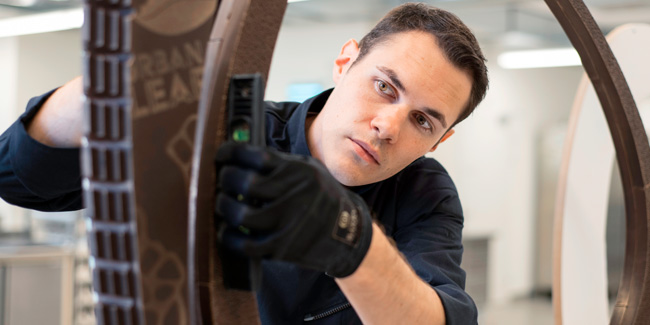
x=390 y=108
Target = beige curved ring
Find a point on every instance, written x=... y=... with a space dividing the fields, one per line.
x=580 y=275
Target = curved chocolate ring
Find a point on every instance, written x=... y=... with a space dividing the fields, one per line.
x=242 y=42
x=633 y=154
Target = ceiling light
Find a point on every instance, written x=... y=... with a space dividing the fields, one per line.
x=42 y=23
x=46 y=22
x=547 y=58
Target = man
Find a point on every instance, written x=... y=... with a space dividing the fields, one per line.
x=337 y=161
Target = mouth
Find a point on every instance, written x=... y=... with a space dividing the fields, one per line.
x=366 y=152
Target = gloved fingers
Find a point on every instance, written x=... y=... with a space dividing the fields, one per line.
x=251 y=246
x=248 y=156
x=235 y=180
x=254 y=186
x=239 y=214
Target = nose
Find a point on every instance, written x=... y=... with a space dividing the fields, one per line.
x=387 y=124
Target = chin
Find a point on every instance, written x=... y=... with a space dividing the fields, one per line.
x=348 y=179
x=345 y=180
x=349 y=174
x=353 y=179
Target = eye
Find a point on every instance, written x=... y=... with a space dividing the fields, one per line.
x=384 y=88
x=423 y=122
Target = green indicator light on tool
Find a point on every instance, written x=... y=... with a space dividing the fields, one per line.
x=241 y=135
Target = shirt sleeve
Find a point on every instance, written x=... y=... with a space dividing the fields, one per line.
x=429 y=233
x=34 y=175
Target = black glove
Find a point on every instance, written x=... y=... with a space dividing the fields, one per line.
x=290 y=208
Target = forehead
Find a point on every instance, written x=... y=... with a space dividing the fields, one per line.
x=428 y=76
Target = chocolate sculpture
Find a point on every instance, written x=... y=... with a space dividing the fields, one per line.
x=147 y=152
x=143 y=69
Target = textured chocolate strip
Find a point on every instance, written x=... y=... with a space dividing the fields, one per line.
x=243 y=39
x=143 y=66
x=632 y=152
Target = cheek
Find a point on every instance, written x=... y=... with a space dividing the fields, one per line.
x=415 y=147
x=418 y=142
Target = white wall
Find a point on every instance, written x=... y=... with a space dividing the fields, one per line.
x=8 y=79
x=47 y=61
x=305 y=53
x=11 y=218
x=33 y=64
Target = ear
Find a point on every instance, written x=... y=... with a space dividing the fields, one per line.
x=349 y=53
x=444 y=137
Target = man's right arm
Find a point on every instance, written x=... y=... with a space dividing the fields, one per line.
x=39 y=153
x=59 y=121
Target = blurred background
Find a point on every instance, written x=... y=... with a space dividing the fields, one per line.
x=504 y=158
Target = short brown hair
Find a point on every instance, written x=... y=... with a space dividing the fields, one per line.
x=453 y=36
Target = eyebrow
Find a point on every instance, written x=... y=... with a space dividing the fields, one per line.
x=392 y=75
x=437 y=115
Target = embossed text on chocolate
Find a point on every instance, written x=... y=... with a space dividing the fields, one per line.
x=164 y=79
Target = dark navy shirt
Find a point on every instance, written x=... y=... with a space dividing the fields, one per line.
x=418 y=208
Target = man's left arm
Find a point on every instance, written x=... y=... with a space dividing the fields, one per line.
x=425 y=282
x=386 y=290
x=290 y=208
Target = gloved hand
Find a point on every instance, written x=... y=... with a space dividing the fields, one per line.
x=288 y=207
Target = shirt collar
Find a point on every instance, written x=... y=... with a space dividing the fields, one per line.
x=296 y=123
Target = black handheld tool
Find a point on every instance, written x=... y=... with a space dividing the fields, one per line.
x=246 y=125
x=246 y=109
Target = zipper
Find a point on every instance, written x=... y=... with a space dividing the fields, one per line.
x=310 y=317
